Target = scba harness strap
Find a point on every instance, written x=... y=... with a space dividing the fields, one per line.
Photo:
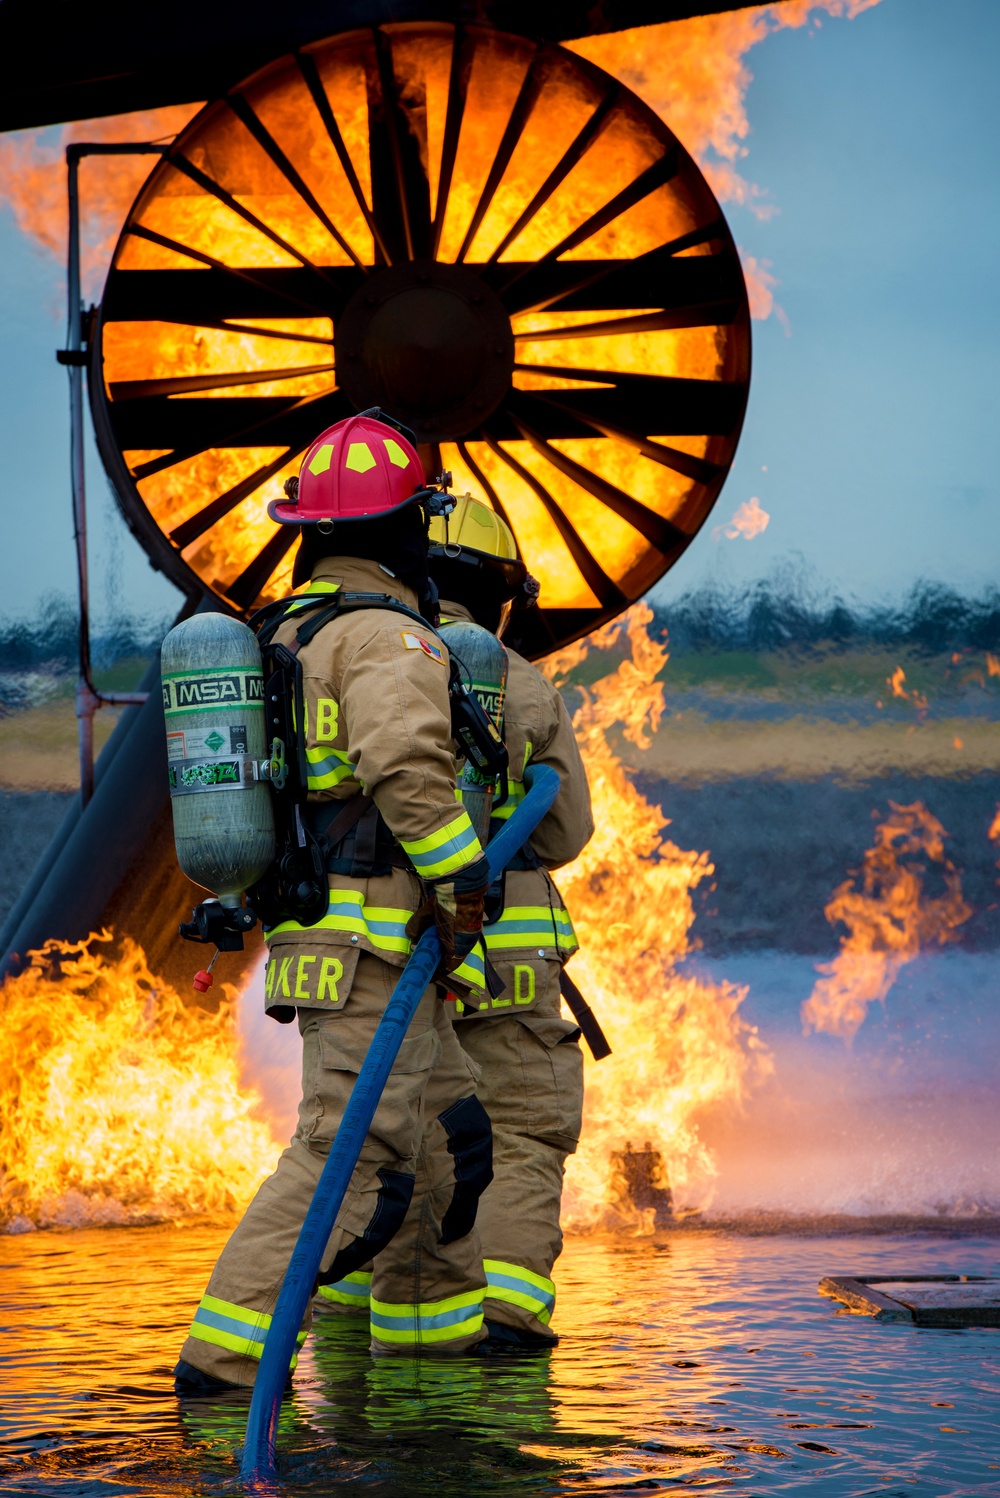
x=356 y=841
x=471 y=725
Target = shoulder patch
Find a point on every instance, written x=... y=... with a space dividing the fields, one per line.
x=417 y=642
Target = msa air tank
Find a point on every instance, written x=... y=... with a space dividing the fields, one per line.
x=483 y=664
x=213 y=703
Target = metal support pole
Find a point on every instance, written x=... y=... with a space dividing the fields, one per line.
x=87 y=700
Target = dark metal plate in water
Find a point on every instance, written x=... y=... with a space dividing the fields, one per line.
x=925 y=1300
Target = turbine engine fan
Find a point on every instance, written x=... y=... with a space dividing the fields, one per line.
x=491 y=238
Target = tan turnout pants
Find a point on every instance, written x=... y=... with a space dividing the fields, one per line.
x=411 y=1200
x=532 y=1089
x=531 y=1085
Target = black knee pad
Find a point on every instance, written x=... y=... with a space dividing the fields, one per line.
x=470 y=1143
x=390 y=1208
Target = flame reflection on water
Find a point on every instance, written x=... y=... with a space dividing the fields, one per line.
x=693 y=1359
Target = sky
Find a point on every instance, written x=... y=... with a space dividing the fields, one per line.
x=870 y=434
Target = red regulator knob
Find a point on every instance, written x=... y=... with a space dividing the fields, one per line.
x=202 y=981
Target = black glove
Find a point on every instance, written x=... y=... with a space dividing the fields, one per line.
x=455 y=905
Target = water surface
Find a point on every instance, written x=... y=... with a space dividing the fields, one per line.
x=694 y=1360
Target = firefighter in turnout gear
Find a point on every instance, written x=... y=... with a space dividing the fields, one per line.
x=381 y=781
x=531 y=1065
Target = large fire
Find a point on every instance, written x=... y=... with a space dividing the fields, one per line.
x=121 y=1103
x=679 y=1044
x=889 y=916
x=692 y=72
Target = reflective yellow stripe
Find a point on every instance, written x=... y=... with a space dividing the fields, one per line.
x=520 y=1287
x=515 y=795
x=515 y=788
x=431 y=1321
x=327 y=767
x=311 y=592
x=384 y=926
x=233 y=1327
x=353 y=1290
x=473 y=970
x=532 y=926
x=446 y=850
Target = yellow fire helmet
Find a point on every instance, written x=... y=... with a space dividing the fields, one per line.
x=474 y=526
x=473 y=559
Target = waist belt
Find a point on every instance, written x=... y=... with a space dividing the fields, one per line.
x=355 y=838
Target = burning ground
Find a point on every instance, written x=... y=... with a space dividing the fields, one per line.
x=711 y=1068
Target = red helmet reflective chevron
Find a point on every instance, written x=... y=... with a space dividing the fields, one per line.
x=357 y=469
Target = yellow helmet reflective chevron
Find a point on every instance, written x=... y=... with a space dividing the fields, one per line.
x=476 y=527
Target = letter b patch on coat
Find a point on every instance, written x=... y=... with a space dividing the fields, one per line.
x=308 y=977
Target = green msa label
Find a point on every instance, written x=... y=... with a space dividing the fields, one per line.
x=208 y=775
x=194 y=691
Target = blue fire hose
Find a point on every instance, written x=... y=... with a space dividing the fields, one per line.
x=258 y=1467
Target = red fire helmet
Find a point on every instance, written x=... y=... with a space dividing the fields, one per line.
x=355 y=470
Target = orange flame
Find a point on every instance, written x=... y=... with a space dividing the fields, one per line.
x=889 y=919
x=121 y=1103
x=694 y=74
x=750 y=520
x=33 y=177
x=679 y=1044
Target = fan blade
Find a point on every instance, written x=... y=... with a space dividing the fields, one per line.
x=650 y=403
x=699 y=469
x=208 y=184
x=130 y=390
x=667 y=538
x=245 y=114
x=648 y=181
x=710 y=315
x=310 y=73
x=196 y=525
x=600 y=584
x=265 y=288
x=531 y=86
x=190 y=427
x=253 y=579
x=205 y=297
x=584 y=140
x=596 y=285
x=462 y=57
x=400 y=190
